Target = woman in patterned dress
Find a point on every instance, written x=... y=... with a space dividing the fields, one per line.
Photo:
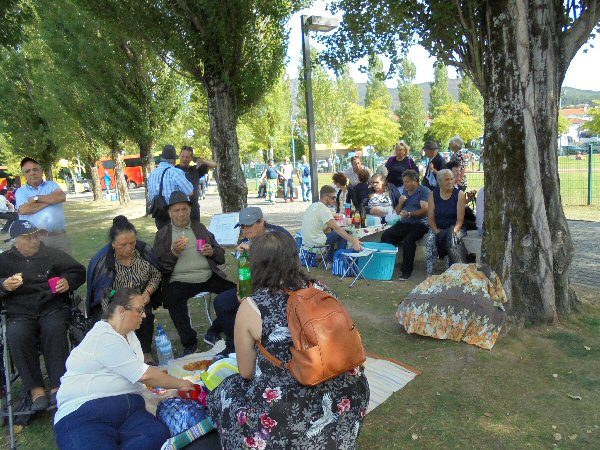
x=264 y=407
x=456 y=144
x=126 y=262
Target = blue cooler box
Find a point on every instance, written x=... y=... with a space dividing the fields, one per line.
x=382 y=264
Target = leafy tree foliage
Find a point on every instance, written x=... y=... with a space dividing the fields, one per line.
x=593 y=125
x=470 y=96
x=377 y=91
x=411 y=113
x=439 y=94
x=14 y=16
x=371 y=125
x=563 y=124
x=234 y=48
x=455 y=119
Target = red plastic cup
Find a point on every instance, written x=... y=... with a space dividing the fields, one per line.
x=52 y=282
x=201 y=244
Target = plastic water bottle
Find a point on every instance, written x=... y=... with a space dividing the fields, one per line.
x=164 y=349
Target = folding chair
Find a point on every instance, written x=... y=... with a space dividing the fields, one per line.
x=352 y=259
x=318 y=251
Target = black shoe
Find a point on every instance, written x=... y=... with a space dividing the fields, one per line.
x=404 y=277
x=190 y=349
x=40 y=404
x=211 y=338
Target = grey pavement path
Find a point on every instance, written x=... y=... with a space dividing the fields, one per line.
x=585 y=268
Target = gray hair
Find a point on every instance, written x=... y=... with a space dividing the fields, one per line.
x=456 y=140
x=441 y=173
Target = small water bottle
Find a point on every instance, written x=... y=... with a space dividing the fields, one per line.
x=164 y=349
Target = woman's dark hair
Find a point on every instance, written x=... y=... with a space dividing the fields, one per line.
x=114 y=299
x=363 y=175
x=340 y=178
x=120 y=225
x=451 y=165
x=274 y=263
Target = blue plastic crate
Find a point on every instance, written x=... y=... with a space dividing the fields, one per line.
x=382 y=264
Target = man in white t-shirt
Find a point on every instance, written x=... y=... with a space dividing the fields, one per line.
x=288 y=181
x=319 y=227
x=352 y=172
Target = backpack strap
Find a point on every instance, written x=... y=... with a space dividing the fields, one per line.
x=160 y=189
x=272 y=359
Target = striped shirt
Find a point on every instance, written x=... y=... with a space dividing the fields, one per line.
x=139 y=275
x=174 y=180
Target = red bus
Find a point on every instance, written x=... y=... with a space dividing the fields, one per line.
x=133 y=170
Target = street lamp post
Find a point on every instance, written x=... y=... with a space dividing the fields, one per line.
x=293 y=143
x=319 y=24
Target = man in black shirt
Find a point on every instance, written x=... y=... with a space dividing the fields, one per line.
x=193 y=174
x=436 y=163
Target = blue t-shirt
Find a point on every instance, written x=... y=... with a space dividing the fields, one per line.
x=107 y=180
x=413 y=203
x=304 y=169
x=52 y=217
x=272 y=173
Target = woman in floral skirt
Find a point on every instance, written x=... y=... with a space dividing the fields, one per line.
x=264 y=407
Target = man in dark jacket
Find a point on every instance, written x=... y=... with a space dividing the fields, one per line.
x=189 y=268
x=35 y=281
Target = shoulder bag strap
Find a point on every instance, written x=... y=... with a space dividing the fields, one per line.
x=160 y=189
x=272 y=359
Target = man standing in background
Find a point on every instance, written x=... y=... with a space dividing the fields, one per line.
x=304 y=178
x=41 y=203
x=194 y=174
x=288 y=180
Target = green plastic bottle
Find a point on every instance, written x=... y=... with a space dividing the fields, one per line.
x=244 y=275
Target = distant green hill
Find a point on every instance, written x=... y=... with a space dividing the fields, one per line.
x=571 y=97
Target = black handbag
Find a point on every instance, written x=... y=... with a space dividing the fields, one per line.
x=457 y=251
x=158 y=207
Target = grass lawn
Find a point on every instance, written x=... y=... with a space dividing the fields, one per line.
x=514 y=396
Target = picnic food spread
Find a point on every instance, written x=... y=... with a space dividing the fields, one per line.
x=198 y=365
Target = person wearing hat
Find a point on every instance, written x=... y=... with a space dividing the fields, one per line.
x=35 y=281
x=189 y=267
x=41 y=203
x=436 y=162
x=173 y=180
x=226 y=304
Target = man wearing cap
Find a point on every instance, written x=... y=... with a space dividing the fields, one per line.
x=436 y=163
x=173 y=180
x=194 y=174
x=41 y=203
x=227 y=303
x=189 y=267
x=35 y=281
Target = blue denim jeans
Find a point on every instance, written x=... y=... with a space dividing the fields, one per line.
x=332 y=239
x=117 y=422
x=288 y=189
x=306 y=190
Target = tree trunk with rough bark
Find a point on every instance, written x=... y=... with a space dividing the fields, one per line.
x=96 y=186
x=231 y=182
x=527 y=239
x=148 y=165
x=121 y=184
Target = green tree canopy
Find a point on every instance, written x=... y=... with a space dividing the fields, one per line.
x=439 y=94
x=470 y=96
x=371 y=125
x=593 y=126
x=455 y=119
x=377 y=91
x=411 y=112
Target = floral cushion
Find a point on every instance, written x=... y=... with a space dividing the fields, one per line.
x=465 y=303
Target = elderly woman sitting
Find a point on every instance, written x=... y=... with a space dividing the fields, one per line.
x=384 y=198
x=446 y=212
x=99 y=401
x=36 y=281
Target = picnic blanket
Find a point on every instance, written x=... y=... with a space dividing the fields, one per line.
x=465 y=303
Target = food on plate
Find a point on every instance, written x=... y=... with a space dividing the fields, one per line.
x=197 y=365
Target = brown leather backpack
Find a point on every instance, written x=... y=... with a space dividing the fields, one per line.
x=325 y=340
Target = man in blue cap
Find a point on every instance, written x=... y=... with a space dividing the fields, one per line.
x=226 y=304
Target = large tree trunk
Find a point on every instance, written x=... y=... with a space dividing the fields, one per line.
x=96 y=186
x=148 y=165
x=121 y=184
x=231 y=182
x=527 y=239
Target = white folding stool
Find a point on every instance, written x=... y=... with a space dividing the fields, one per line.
x=206 y=297
x=352 y=259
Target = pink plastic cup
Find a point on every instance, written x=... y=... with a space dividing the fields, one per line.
x=201 y=244
x=52 y=282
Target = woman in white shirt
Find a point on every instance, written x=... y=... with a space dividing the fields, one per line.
x=99 y=401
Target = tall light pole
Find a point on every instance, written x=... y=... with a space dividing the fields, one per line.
x=293 y=143
x=319 y=24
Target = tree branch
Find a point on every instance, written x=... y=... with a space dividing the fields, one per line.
x=579 y=33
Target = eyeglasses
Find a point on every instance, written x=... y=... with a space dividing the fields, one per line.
x=332 y=197
x=33 y=169
x=141 y=311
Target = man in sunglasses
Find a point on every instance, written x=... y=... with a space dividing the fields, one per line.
x=41 y=203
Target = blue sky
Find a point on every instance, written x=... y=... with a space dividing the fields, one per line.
x=583 y=72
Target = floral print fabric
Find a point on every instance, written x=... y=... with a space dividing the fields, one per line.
x=274 y=411
x=465 y=303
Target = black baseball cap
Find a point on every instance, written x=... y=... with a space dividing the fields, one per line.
x=28 y=159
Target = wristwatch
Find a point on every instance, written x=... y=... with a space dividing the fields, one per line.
x=36 y=198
